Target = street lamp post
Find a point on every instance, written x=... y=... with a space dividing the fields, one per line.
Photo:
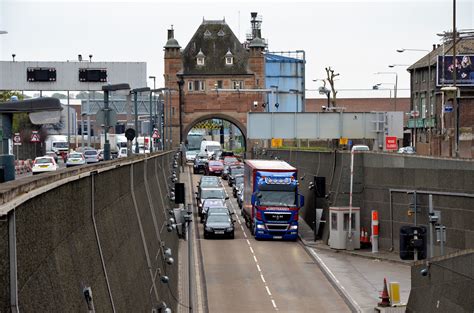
x=154 y=81
x=323 y=90
x=107 y=89
x=395 y=88
x=295 y=91
x=427 y=97
x=135 y=100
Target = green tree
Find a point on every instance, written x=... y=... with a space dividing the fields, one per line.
x=7 y=95
x=59 y=95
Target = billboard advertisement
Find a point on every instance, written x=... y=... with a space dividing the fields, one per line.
x=464 y=70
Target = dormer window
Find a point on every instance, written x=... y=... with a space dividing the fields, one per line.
x=200 y=58
x=229 y=58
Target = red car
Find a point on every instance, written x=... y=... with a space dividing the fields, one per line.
x=214 y=167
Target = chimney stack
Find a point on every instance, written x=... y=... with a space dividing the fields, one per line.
x=170 y=33
x=434 y=47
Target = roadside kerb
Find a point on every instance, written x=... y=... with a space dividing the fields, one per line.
x=351 y=303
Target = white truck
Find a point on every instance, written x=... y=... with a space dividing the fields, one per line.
x=57 y=143
x=116 y=142
x=211 y=147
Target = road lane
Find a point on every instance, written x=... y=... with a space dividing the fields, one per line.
x=245 y=275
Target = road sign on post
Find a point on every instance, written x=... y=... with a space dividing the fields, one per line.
x=35 y=136
x=391 y=143
x=155 y=134
x=17 y=139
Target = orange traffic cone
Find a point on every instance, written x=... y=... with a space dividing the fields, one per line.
x=385 y=298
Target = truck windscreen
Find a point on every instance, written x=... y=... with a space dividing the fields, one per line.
x=60 y=144
x=277 y=198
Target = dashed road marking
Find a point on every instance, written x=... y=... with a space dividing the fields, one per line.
x=256 y=261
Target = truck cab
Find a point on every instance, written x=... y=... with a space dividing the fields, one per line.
x=271 y=200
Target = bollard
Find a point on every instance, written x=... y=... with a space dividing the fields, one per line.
x=375 y=231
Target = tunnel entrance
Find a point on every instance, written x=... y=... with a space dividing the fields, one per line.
x=226 y=132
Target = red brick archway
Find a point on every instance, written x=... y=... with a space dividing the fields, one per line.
x=223 y=116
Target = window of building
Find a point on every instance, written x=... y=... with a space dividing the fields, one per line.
x=424 y=108
x=237 y=84
x=200 y=58
x=432 y=104
x=423 y=76
x=199 y=85
x=220 y=84
x=229 y=58
x=190 y=86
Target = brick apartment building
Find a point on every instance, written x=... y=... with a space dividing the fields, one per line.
x=435 y=127
x=214 y=76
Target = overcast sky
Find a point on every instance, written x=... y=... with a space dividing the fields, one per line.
x=356 y=38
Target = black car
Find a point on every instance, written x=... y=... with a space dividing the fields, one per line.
x=219 y=224
x=200 y=163
x=238 y=180
x=234 y=171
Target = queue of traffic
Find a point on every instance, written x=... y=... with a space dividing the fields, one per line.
x=266 y=192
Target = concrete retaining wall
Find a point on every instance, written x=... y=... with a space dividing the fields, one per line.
x=375 y=174
x=448 y=287
x=120 y=212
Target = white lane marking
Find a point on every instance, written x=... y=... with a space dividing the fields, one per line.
x=256 y=261
x=274 y=305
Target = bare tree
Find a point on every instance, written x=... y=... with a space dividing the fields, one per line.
x=330 y=79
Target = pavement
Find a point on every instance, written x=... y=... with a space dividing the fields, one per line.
x=358 y=275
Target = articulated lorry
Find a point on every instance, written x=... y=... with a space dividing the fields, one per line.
x=271 y=199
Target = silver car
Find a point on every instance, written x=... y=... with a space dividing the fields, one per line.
x=75 y=158
x=92 y=156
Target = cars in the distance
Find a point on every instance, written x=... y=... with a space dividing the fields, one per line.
x=75 y=158
x=101 y=154
x=123 y=152
x=214 y=167
x=240 y=198
x=228 y=161
x=209 y=183
x=219 y=224
x=191 y=155
x=234 y=170
x=209 y=193
x=53 y=155
x=238 y=183
x=360 y=148
x=200 y=163
x=407 y=150
x=211 y=203
x=91 y=155
x=44 y=164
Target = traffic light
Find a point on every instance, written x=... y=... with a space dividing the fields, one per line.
x=413 y=240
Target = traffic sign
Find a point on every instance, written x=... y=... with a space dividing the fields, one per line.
x=35 y=136
x=155 y=134
x=415 y=113
x=343 y=140
x=277 y=142
x=130 y=134
x=448 y=107
x=17 y=139
x=100 y=117
x=391 y=143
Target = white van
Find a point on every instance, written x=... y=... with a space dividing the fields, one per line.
x=210 y=147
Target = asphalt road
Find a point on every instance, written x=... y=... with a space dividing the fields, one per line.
x=245 y=275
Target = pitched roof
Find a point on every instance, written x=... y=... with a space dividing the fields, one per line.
x=215 y=39
x=463 y=46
